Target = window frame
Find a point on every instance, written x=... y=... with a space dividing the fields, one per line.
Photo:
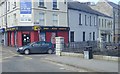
x=80 y=19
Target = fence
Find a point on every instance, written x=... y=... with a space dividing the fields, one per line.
x=109 y=49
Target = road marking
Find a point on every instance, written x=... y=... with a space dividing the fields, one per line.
x=62 y=68
x=60 y=65
x=28 y=57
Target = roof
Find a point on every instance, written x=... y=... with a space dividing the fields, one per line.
x=114 y=5
x=84 y=8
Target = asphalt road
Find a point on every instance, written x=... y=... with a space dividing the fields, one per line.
x=14 y=62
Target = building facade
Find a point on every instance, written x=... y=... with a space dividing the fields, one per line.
x=34 y=20
x=112 y=10
x=105 y=29
x=85 y=25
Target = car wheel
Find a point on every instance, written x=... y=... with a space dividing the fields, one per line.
x=27 y=51
x=50 y=51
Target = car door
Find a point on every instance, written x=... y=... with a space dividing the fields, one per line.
x=35 y=48
x=42 y=47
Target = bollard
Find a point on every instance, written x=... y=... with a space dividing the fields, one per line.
x=59 y=45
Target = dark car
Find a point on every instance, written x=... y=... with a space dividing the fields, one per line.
x=37 y=47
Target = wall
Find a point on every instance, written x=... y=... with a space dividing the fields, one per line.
x=108 y=29
x=78 y=29
x=62 y=13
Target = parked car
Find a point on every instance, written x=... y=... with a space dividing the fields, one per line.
x=36 y=47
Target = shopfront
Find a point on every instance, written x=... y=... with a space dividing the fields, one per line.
x=19 y=36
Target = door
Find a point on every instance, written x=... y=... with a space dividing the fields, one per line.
x=25 y=39
x=35 y=47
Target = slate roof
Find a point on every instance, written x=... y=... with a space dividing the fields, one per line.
x=84 y=8
x=114 y=5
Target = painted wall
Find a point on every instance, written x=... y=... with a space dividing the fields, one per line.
x=79 y=29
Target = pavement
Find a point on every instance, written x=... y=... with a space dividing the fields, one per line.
x=88 y=65
x=91 y=65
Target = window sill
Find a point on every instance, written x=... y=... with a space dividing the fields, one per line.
x=14 y=7
x=80 y=24
x=55 y=9
x=42 y=7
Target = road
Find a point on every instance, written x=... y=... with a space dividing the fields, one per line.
x=14 y=62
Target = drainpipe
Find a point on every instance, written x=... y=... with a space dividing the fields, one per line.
x=114 y=26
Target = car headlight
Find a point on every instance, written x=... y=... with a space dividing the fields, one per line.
x=21 y=48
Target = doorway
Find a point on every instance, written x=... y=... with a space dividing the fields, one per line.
x=25 y=39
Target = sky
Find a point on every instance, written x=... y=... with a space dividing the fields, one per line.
x=115 y=1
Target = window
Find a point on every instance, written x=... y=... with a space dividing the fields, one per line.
x=105 y=23
x=80 y=19
x=55 y=19
x=109 y=38
x=8 y=6
x=54 y=4
x=42 y=21
x=89 y=36
x=14 y=5
x=85 y=19
x=15 y=19
x=111 y=24
x=72 y=36
x=102 y=22
x=41 y=3
x=94 y=21
x=90 y=21
x=93 y=36
x=83 y=36
x=99 y=22
x=65 y=2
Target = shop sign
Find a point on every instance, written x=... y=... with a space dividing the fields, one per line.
x=11 y=29
x=36 y=28
x=2 y=30
x=25 y=10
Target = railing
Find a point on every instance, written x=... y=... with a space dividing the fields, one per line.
x=104 y=48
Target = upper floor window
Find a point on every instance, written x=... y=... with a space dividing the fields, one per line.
x=14 y=5
x=102 y=22
x=65 y=2
x=8 y=6
x=99 y=22
x=90 y=21
x=85 y=19
x=80 y=19
x=105 y=23
x=41 y=3
x=55 y=19
x=42 y=19
x=94 y=21
x=54 y=4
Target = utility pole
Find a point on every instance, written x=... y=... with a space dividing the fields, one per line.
x=6 y=26
x=6 y=14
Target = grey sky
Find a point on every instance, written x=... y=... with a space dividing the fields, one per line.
x=115 y=1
